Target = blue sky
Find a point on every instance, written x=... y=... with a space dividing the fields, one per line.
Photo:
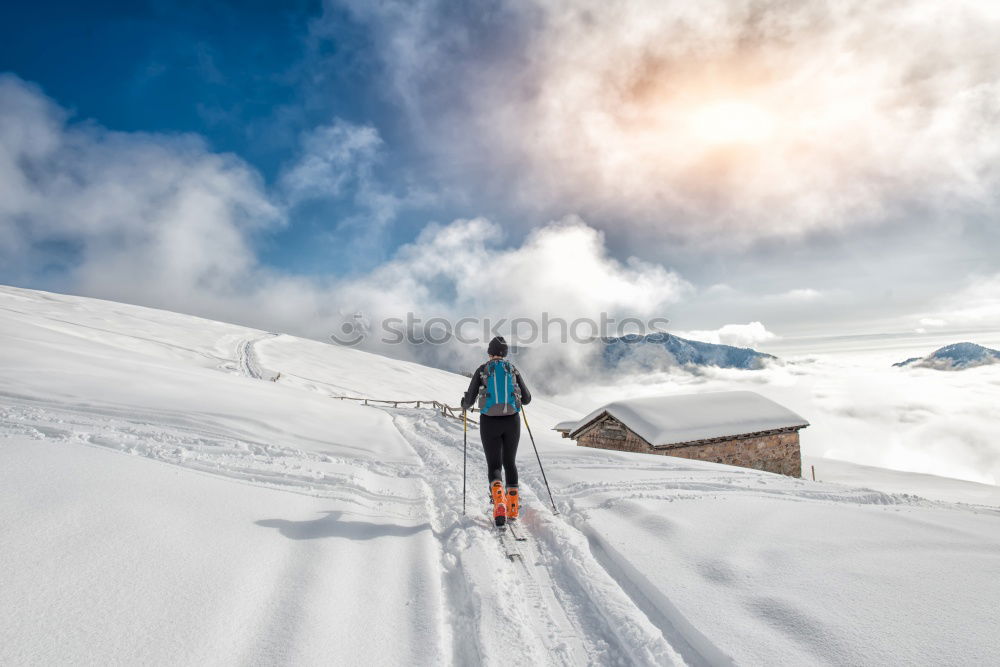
x=799 y=166
x=246 y=76
x=218 y=70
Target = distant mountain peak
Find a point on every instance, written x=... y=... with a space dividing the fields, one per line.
x=954 y=357
x=655 y=350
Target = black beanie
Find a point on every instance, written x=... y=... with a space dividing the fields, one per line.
x=498 y=347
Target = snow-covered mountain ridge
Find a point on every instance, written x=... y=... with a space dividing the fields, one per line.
x=162 y=501
x=955 y=357
x=658 y=350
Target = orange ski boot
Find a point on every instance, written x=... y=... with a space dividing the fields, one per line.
x=513 y=502
x=499 y=504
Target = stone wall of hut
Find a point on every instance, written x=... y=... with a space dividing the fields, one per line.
x=774 y=452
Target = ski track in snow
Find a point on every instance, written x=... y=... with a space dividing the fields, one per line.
x=575 y=611
x=247 y=361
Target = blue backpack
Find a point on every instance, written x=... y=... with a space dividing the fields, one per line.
x=499 y=393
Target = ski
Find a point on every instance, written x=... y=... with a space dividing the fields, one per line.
x=518 y=535
x=510 y=549
x=504 y=535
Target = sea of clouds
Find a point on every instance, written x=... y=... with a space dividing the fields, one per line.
x=860 y=408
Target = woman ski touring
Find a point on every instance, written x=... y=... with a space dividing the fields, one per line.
x=500 y=391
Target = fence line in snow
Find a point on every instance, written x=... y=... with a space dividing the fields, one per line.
x=444 y=409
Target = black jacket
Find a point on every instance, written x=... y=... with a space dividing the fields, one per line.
x=469 y=399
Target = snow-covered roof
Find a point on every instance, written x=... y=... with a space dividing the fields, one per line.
x=669 y=420
x=565 y=426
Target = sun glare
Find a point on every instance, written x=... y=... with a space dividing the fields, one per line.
x=732 y=123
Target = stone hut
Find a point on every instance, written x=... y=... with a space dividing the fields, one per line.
x=739 y=428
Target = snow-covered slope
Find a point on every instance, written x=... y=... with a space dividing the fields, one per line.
x=162 y=501
x=933 y=487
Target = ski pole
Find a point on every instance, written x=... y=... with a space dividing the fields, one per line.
x=544 y=479
x=465 y=448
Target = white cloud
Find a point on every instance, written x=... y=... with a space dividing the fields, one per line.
x=562 y=268
x=644 y=112
x=337 y=163
x=975 y=305
x=464 y=269
x=751 y=335
x=802 y=294
x=330 y=156
x=721 y=290
x=156 y=219
x=132 y=216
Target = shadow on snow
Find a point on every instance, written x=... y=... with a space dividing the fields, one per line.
x=331 y=525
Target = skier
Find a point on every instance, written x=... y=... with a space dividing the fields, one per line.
x=501 y=392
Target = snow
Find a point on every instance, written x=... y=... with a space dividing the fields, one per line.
x=667 y=420
x=161 y=504
x=933 y=487
x=114 y=559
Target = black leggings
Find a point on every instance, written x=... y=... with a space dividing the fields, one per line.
x=500 y=436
